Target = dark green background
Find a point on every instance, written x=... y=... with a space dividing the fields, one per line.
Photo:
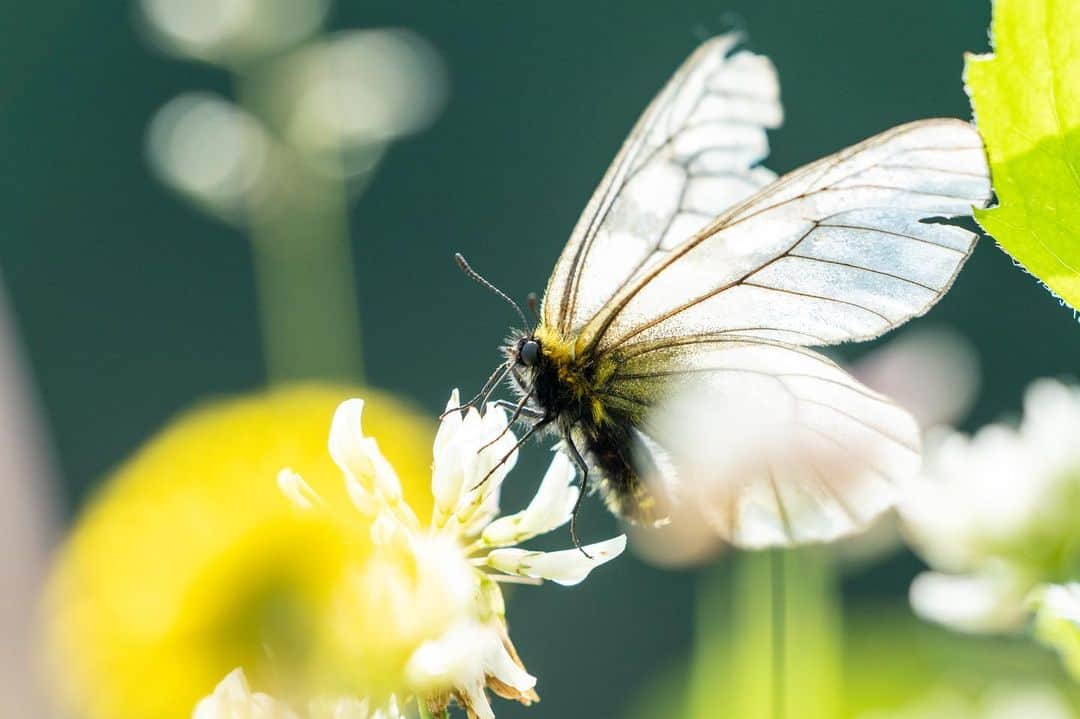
x=132 y=305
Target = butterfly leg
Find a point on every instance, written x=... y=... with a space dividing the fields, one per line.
x=575 y=455
x=496 y=376
x=526 y=412
x=540 y=424
x=519 y=409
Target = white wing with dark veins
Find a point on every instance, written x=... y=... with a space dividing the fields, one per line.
x=692 y=155
x=701 y=279
x=771 y=443
x=844 y=249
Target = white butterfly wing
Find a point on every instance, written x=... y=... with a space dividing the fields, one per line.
x=844 y=249
x=692 y=155
x=771 y=443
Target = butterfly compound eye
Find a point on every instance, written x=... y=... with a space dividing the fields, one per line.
x=529 y=353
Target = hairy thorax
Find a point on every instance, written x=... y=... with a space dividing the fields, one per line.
x=569 y=385
x=571 y=390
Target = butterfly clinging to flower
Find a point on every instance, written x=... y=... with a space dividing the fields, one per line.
x=695 y=267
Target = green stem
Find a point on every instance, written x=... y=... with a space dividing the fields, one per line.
x=711 y=659
x=778 y=601
x=757 y=617
x=305 y=283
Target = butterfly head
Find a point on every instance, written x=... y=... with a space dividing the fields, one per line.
x=528 y=352
x=525 y=356
x=535 y=359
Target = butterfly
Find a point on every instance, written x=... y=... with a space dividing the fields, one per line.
x=695 y=270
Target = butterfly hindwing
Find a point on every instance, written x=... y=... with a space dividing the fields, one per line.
x=774 y=442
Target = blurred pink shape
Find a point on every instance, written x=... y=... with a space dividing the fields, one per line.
x=27 y=527
x=931 y=372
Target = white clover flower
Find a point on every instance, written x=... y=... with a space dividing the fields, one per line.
x=233 y=699
x=994 y=514
x=437 y=581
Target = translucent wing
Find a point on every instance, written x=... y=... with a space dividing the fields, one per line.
x=771 y=443
x=692 y=155
x=843 y=249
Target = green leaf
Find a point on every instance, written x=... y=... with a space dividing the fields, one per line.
x=1026 y=98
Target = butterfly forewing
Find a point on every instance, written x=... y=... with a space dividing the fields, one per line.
x=839 y=250
x=693 y=154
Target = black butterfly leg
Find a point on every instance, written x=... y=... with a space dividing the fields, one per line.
x=526 y=412
x=519 y=410
x=540 y=424
x=584 y=467
x=496 y=376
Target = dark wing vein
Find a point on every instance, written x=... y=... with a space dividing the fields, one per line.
x=871 y=270
x=754 y=207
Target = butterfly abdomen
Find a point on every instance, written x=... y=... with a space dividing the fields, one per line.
x=609 y=448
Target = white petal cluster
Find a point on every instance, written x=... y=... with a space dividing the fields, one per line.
x=995 y=514
x=1063 y=602
x=452 y=604
x=1057 y=621
x=233 y=699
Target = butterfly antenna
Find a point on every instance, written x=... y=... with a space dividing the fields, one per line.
x=474 y=275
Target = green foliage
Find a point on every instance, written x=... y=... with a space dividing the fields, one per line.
x=1026 y=98
x=881 y=662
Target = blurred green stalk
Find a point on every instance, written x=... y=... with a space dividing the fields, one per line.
x=759 y=658
x=305 y=282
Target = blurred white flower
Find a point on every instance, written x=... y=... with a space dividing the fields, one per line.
x=233 y=699
x=1063 y=602
x=1057 y=621
x=345 y=97
x=450 y=599
x=990 y=601
x=996 y=513
x=210 y=150
x=226 y=31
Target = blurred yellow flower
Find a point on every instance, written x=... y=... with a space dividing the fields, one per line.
x=190 y=562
